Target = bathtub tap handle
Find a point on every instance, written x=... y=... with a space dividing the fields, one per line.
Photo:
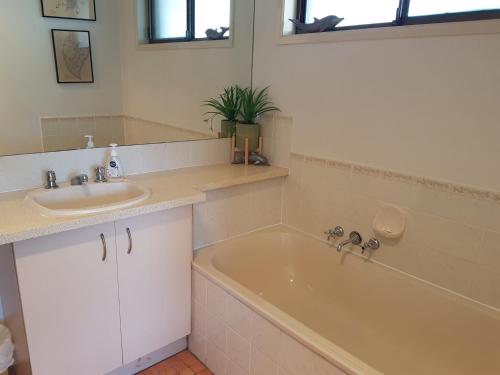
x=335 y=233
x=372 y=244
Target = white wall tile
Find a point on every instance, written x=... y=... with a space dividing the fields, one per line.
x=199 y=288
x=233 y=211
x=238 y=317
x=28 y=171
x=447 y=238
x=198 y=346
x=216 y=299
x=238 y=350
x=234 y=369
x=260 y=364
x=216 y=360
x=265 y=336
x=269 y=352
x=198 y=319
x=216 y=332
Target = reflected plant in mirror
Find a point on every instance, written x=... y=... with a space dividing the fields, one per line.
x=228 y=106
x=143 y=93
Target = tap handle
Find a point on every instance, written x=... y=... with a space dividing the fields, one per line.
x=372 y=244
x=51 y=180
x=100 y=174
x=337 y=232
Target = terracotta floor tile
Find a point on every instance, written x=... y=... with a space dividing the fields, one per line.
x=167 y=371
x=184 y=363
x=188 y=358
x=198 y=367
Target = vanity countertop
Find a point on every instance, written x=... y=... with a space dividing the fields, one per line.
x=21 y=220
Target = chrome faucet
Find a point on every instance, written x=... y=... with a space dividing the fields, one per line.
x=100 y=174
x=80 y=180
x=51 y=180
x=354 y=238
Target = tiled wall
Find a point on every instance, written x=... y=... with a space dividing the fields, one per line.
x=66 y=133
x=28 y=171
x=231 y=339
x=139 y=131
x=237 y=210
x=453 y=233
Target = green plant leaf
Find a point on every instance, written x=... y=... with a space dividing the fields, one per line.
x=255 y=103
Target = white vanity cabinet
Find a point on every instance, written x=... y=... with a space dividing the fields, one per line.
x=154 y=262
x=98 y=298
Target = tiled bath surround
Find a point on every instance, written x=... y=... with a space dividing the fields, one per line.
x=231 y=339
x=453 y=233
x=237 y=210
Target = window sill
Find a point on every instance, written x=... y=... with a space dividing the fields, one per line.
x=395 y=32
x=199 y=44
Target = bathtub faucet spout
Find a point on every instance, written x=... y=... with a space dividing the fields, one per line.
x=354 y=238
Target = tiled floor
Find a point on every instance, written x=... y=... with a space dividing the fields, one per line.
x=184 y=363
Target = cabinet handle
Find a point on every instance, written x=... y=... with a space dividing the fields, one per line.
x=104 y=248
x=129 y=241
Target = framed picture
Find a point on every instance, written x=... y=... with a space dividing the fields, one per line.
x=73 y=56
x=73 y=9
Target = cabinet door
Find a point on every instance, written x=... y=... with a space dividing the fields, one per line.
x=154 y=266
x=69 y=295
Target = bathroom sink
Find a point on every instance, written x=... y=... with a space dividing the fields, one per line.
x=88 y=199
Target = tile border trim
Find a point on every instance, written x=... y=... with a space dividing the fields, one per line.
x=428 y=183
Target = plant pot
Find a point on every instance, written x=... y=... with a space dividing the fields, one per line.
x=250 y=131
x=227 y=128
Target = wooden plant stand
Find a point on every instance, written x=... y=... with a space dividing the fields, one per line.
x=246 y=151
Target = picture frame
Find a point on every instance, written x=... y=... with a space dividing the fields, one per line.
x=73 y=56
x=69 y=9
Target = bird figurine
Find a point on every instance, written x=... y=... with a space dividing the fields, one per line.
x=213 y=34
x=253 y=158
x=327 y=23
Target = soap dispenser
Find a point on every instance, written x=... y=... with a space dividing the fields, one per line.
x=90 y=141
x=114 y=167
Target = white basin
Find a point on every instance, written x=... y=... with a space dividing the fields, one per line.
x=88 y=199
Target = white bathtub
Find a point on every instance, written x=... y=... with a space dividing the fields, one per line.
x=361 y=317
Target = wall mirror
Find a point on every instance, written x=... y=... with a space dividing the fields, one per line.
x=114 y=75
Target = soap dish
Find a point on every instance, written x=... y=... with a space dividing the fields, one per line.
x=389 y=222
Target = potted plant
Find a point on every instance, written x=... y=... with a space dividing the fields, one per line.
x=226 y=105
x=254 y=103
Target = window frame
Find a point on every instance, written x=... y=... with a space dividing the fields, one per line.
x=402 y=17
x=190 y=25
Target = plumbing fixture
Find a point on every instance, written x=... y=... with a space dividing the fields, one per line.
x=372 y=244
x=354 y=238
x=335 y=233
x=100 y=174
x=51 y=180
x=80 y=179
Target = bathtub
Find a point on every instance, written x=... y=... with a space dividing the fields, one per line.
x=356 y=316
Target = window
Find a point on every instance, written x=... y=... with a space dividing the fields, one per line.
x=186 y=20
x=377 y=13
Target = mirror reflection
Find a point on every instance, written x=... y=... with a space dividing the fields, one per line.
x=90 y=73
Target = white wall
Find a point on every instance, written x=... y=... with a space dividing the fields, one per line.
x=167 y=85
x=28 y=85
x=425 y=106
